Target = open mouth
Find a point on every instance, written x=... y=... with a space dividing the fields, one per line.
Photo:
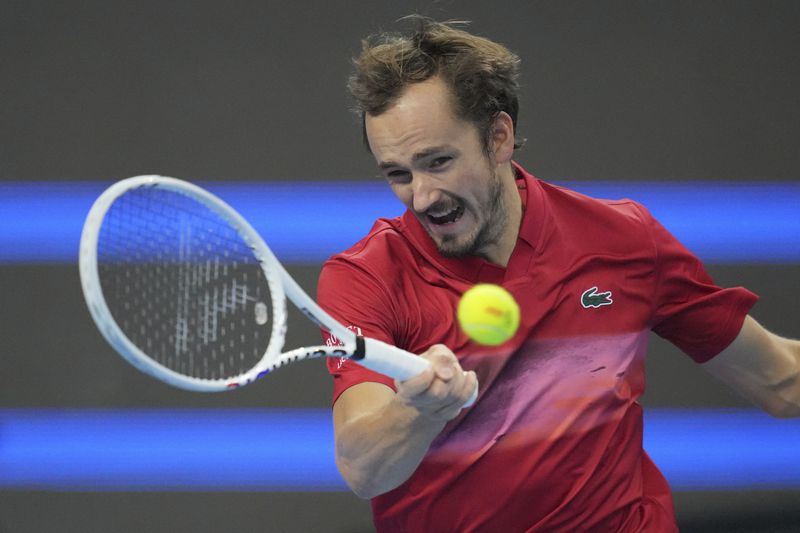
x=449 y=217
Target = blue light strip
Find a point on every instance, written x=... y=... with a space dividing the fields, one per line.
x=164 y=449
x=306 y=222
x=723 y=449
x=271 y=450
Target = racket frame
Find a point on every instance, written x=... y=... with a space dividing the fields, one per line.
x=371 y=353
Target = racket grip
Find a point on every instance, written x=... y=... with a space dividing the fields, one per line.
x=397 y=363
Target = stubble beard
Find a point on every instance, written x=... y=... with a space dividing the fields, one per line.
x=487 y=233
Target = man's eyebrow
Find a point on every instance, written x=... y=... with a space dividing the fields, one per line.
x=383 y=165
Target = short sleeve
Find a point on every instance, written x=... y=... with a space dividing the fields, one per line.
x=690 y=310
x=357 y=300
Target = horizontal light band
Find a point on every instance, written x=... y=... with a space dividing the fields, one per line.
x=167 y=450
x=723 y=449
x=306 y=222
x=272 y=450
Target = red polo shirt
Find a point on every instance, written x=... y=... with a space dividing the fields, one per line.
x=554 y=442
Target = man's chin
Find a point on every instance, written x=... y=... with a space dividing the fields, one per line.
x=454 y=243
x=454 y=247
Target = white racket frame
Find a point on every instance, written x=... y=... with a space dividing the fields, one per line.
x=370 y=353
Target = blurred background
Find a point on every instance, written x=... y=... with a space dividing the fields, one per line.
x=688 y=106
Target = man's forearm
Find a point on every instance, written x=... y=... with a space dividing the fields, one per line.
x=382 y=434
x=378 y=451
x=762 y=367
x=788 y=389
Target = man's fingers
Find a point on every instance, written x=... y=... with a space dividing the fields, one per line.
x=462 y=390
x=460 y=393
x=470 y=384
x=445 y=371
x=444 y=362
x=441 y=390
x=416 y=385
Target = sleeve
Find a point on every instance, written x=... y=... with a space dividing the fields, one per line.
x=689 y=309
x=357 y=300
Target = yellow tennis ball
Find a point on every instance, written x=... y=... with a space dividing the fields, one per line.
x=488 y=314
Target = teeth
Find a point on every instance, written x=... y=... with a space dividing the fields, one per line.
x=446 y=216
x=444 y=213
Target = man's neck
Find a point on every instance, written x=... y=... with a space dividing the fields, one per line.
x=500 y=253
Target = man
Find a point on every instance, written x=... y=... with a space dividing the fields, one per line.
x=554 y=442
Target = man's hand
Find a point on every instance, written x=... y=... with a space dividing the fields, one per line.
x=440 y=392
x=382 y=436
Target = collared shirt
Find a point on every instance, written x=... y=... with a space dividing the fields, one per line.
x=554 y=442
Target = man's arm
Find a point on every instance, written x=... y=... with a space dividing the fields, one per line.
x=382 y=436
x=762 y=367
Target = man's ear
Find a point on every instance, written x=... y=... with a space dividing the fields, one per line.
x=502 y=140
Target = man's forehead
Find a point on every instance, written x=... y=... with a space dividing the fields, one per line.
x=431 y=95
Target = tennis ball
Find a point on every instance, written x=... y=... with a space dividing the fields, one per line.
x=488 y=314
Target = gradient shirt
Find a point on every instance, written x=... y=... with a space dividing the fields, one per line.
x=554 y=442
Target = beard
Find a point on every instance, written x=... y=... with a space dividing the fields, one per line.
x=492 y=217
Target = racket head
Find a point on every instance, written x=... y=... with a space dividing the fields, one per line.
x=98 y=248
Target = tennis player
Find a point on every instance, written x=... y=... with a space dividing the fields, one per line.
x=554 y=442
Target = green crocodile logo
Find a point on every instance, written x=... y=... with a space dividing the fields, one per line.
x=591 y=298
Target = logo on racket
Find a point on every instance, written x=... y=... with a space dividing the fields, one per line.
x=261 y=312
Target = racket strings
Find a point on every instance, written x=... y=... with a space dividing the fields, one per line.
x=183 y=286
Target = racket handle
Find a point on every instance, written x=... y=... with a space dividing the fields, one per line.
x=397 y=363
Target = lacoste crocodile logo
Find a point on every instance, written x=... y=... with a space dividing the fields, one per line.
x=591 y=298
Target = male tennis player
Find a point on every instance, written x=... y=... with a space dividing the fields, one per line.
x=554 y=442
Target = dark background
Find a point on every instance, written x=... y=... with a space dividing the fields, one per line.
x=612 y=90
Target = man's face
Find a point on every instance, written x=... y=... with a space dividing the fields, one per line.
x=437 y=166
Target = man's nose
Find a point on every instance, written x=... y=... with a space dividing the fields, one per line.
x=426 y=193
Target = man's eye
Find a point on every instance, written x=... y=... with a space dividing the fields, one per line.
x=398 y=176
x=439 y=161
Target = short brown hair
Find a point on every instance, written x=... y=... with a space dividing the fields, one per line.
x=482 y=75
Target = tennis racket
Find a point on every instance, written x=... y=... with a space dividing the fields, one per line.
x=186 y=290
